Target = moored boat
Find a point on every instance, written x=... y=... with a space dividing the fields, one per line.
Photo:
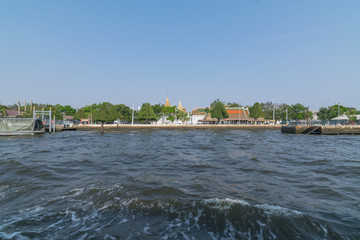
x=20 y=126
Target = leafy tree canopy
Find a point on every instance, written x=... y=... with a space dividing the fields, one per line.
x=66 y=110
x=256 y=111
x=3 y=109
x=103 y=112
x=232 y=104
x=331 y=112
x=268 y=109
x=183 y=116
x=212 y=105
x=168 y=110
x=146 y=113
x=158 y=108
x=218 y=110
x=122 y=112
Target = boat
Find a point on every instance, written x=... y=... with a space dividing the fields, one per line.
x=20 y=126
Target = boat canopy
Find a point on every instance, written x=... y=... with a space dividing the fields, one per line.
x=8 y=125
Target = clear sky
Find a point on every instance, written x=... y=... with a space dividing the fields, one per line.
x=82 y=52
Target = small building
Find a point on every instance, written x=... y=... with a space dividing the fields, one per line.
x=199 y=111
x=84 y=121
x=196 y=119
x=12 y=113
x=237 y=115
x=68 y=118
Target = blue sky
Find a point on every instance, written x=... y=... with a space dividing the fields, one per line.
x=131 y=52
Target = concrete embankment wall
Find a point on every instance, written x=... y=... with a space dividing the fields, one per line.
x=293 y=129
x=324 y=130
x=335 y=130
x=114 y=127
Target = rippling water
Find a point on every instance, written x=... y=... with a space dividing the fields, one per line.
x=180 y=184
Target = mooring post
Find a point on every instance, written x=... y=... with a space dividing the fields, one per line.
x=102 y=128
x=50 y=125
x=54 y=130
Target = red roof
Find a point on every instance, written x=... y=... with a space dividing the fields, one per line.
x=68 y=117
x=12 y=113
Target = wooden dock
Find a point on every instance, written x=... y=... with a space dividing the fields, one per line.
x=323 y=130
x=60 y=127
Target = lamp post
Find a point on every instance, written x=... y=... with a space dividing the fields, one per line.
x=239 y=112
x=132 y=116
x=274 y=114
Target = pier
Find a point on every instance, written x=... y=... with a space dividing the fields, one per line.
x=322 y=130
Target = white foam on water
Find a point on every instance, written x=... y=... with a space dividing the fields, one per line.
x=107 y=236
x=272 y=234
x=12 y=236
x=73 y=215
x=4 y=187
x=212 y=236
x=277 y=210
x=72 y=193
x=146 y=229
x=32 y=210
x=106 y=205
x=230 y=230
x=3 y=190
x=123 y=221
x=225 y=203
x=83 y=237
x=197 y=217
x=185 y=236
x=323 y=228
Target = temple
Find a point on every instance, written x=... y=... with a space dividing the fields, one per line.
x=180 y=107
x=167 y=103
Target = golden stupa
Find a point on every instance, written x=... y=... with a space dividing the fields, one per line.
x=167 y=103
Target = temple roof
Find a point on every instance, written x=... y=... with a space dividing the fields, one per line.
x=167 y=103
x=180 y=106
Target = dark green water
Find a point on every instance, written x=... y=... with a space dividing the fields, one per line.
x=180 y=184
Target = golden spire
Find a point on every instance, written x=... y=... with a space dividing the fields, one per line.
x=167 y=103
x=180 y=106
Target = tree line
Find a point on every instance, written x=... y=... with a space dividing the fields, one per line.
x=108 y=112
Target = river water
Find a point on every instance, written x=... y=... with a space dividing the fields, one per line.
x=180 y=184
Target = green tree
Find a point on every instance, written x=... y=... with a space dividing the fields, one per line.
x=169 y=112
x=351 y=114
x=103 y=112
x=158 y=110
x=28 y=113
x=256 y=111
x=297 y=112
x=183 y=116
x=146 y=113
x=218 y=110
x=3 y=109
x=122 y=112
x=81 y=113
x=323 y=113
x=212 y=105
x=66 y=110
x=232 y=104
x=268 y=110
x=331 y=112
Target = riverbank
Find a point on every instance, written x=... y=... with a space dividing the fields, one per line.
x=119 y=127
